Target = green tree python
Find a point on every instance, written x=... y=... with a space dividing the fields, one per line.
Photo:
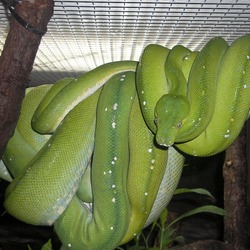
x=100 y=156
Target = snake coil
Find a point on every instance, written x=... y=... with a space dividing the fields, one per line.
x=96 y=156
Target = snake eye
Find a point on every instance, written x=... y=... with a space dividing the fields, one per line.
x=156 y=121
x=179 y=125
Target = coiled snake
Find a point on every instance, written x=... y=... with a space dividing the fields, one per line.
x=96 y=156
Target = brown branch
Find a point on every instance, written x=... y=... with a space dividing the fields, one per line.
x=206 y=245
x=235 y=194
x=16 y=62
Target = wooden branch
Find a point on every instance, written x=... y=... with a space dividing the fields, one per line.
x=16 y=62
x=206 y=245
x=235 y=194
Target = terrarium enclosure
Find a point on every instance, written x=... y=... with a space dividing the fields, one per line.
x=82 y=35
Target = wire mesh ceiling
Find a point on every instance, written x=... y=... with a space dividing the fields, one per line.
x=84 y=34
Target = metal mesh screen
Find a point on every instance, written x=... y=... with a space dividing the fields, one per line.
x=84 y=34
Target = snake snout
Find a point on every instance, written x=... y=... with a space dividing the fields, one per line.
x=165 y=141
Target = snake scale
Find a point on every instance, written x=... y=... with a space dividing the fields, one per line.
x=100 y=156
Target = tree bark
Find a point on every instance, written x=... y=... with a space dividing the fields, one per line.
x=17 y=60
x=235 y=194
x=207 y=245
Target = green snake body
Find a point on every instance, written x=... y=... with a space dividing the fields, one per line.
x=151 y=71
x=232 y=95
x=175 y=98
x=26 y=141
x=46 y=120
x=188 y=124
x=45 y=209
x=201 y=89
x=94 y=155
x=147 y=164
x=110 y=189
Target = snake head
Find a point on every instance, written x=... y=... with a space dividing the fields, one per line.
x=170 y=111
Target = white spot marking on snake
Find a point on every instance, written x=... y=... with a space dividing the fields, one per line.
x=113 y=200
x=122 y=79
x=245 y=86
x=49 y=145
x=150 y=150
x=115 y=106
x=226 y=135
x=106 y=109
x=243 y=72
x=203 y=66
x=142 y=92
x=232 y=119
x=113 y=124
x=104 y=173
x=151 y=167
x=112 y=228
x=110 y=171
x=153 y=161
x=144 y=103
x=113 y=186
x=203 y=92
x=248 y=57
x=69 y=245
x=146 y=194
x=114 y=160
x=199 y=119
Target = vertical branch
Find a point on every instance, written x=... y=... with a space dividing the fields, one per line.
x=235 y=193
x=17 y=59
